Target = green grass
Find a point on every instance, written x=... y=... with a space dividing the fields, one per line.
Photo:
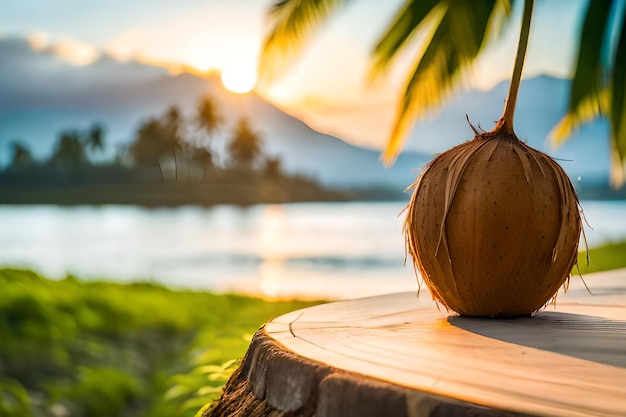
x=603 y=258
x=104 y=349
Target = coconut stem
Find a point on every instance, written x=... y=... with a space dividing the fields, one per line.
x=509 y=107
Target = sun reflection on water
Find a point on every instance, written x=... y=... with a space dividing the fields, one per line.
x=271 y=249
x=272 y=234
x=271 y=278
x=306 y=250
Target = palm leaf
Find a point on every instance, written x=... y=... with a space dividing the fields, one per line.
x=455 y=32
x=463 y=29
x=599 y=83
x=587 y=110
x=402 y=30
x=587 y=97
x=618 y=107
x=452 y=33
x=292 y=22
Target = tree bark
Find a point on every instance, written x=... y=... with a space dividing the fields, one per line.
x=273 y=382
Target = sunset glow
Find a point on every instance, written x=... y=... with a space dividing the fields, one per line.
x=327 y=86
x=239 y=79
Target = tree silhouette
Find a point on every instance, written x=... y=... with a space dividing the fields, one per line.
x=22 y=158
x=273 y=167
x=245 y=145
x=202 y=158
x=458 y=32
x=209 y=121
x=207 y=116
x=172 y=134
x=172 y=128
x=69 y=151
x=95 y=138
x=157 y=139
x=150 y=145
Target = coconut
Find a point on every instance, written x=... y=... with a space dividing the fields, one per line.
x=493 y=226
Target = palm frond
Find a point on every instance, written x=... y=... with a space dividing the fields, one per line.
x=408 y=21
x=599 y=82
x=588 y=79
x=292 y=23
x=618 y=107
x=463 y=29
x=586 y=111
x=588 y=99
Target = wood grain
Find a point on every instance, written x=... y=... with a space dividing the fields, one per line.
x=398 y=355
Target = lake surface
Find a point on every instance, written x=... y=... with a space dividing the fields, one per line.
x=309 y=250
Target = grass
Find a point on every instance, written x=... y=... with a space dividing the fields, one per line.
x=103 y=349
x=602 y=258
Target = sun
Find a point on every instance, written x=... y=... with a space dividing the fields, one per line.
x=239 y=79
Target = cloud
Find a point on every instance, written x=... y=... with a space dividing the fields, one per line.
x=64 y=73
x=75 y=52
x=211 y=37
x=39 y=40
x=42 y=93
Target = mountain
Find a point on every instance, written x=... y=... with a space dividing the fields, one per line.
x=542 y=102
x=41 y=94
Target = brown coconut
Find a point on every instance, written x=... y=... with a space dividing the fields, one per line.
x=493 y=227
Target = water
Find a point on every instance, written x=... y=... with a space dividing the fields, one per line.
x=310 y=250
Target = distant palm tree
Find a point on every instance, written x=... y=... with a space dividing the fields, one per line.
x=273 y=167
x=172 y=126
x=209 y=120
x=455 y=33
x=208 y=117
x=22 y=158
x=69 y=151
x=172 y=123
x=245 y=144
x=95 y=138
x=149 y=145
x=202 y=158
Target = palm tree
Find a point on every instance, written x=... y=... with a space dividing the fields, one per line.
x=95 y=138
x=455 y=33
x=149 y=145
x=22 y=158
x=172 y=123
x=172 y=126
x=208 y=117
x=69 y=151
x=273 y=167
x=209 y=120
x=245 y=144
x=202 y=158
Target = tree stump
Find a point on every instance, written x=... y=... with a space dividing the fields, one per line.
x=398 y=355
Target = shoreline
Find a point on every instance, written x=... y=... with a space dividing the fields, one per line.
x=171 y=194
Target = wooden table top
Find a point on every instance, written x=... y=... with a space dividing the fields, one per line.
x=568 y=360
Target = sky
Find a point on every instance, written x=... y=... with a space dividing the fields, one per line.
x=326 y=88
